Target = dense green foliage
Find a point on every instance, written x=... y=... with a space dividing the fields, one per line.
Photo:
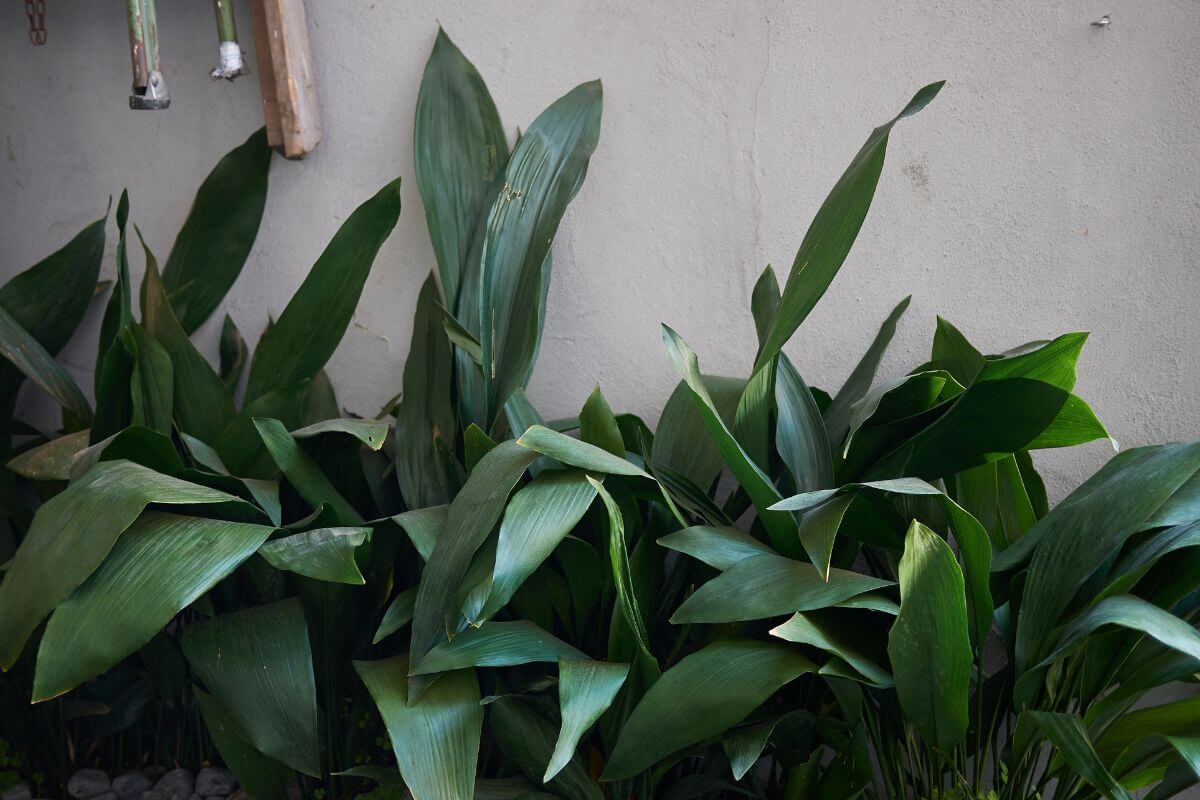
x=777 y=593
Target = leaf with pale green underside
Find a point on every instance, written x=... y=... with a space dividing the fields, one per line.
x=469 y=521
x=323 y=554
x=703 y=695
x=585 y=691
x=539 y=516
x=302 y=472
x=371 y=432
x=681 y=441
x=719 y=547
x=495 y=644
x=160 y=565
x=576 y=453
x=780 y=526
x=311 y=326
x=459 y=147
x=51 y=461
x=424 y=527
x=770 y=585
x=257 y=663
x=436 y=736
x=929 y=646
x=837 y=415
x=219 y=232
x=72 y=534
x=544 y=173
x=833 y=231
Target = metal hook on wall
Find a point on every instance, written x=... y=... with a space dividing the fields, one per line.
x=1103 y=22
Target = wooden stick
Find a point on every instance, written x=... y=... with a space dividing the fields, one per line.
x=285 y=76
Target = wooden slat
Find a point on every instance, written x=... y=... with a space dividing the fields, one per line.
x=285 y=75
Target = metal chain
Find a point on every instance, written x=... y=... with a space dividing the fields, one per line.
x=36 y=11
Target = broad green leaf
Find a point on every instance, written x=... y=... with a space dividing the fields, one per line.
x=807 y=500
x=27 y=355
x=893 y=411
x=371 y=432
x=579 y=454
x=752 y=419
x=462 y=338
x=838 y=414
x=257 y=663
x=546 y=169
x=459 y=148
x=302 y=472
x=521 y=416
x=50 y=298
x=435 y=737
x=818 y=531
x=703 y=695
x=764 y=302
x=152 y=384
x=744 y=746
x=72 y=534
x=682 y=443
x=1109 y=507
x=770 y=585
x=1067 y=733
x=720 y=548
x=426 y=413
x=260 y=774
x=233 y=354
x=323 y=554
x=537 y=519
x=780 y=526
x=424 y=527
x=1177 y=718
x=1132 y=613
x=598 y=425
x=832 y=232
x=953 y=353
x=1074 y=424
x=929 y=646
x=800 y=434
x=495 y=644
x=159 y=566
x=398 y=614
x=219 y=232
x=51 y=461
x=1136 y=563
x=585 y=691
x=527 y=739
x=806 y=629
x=311 y=326
x=320 y=401
x=203 y=404
x=471 y=517
x=627 y=598
x=240 y=446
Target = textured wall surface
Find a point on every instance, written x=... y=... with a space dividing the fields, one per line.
x=1052 y=186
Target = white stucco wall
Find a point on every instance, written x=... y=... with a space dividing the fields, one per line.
x=1052 y=186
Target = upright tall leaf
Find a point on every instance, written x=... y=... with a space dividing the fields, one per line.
x=219 y=232
x=543 y=175
x=929 y=645
x=257 y=663
x=833 y=231
x=435 y=737
x=310 y=328
x=681 y=441
x=585 y=691
x=459 y=148
x=799 y=432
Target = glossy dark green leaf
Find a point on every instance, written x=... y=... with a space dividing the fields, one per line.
x=462 y=338
x=703 y=695
x=770 y=585
x=72 y=534
x=424 y=527
x=495 y=644
x=833 y=230
x=780 y=526
x=764 y=302
x=627 y=596
x=260 y=774
x=585 y=691
x=219 y=232
x=160 y=565
x=257 y=663
x=720 y=548
x=302 y=472
x=233 y=354
x=837 y=416
x=398 y=614
x=598 y=425
x=323 y=554
x=1132 y=613
x=752 y=419
x=681 y=441
x=202 y=403
x=576 y=453
x=50 y=298
x=1067 y=733
x=33 y=361
x=152 y=384
x=459 y=148
x=310 y=328
x=800 y=435
x=543 y=175
x=818 y=531
x=744 y=746
x=537 y=519
x=806 y=629
x=527 y=738
x=953 y=353
x=929 y=646
x=426 y=412
x=238 y=443
x=471 y=517
x=435 y=737
x=51 y=461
